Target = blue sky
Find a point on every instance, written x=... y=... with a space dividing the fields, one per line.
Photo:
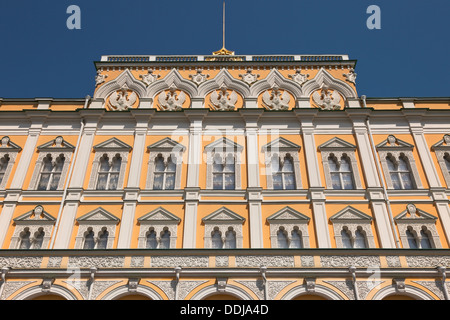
x=40 y=57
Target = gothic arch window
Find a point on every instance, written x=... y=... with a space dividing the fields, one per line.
x=216 y=239
x=425 y=238
x=102 y=241
x=89 y=242
x=25 y=241
x=442 y=151
x=8 y=154
x=360 y=241
x=165 y=239
x=151 y=242
x=340 y=165
x=31 y=241
x=4 y=161
x=158 y=230
x=52 y=169
x=108 y=173
x=398 y=164
x=288 y=229
x=282 y=238
x=97 y=230
x=38 y=238
x=283 y=176
x=96 y=241
x=224 y=175
x=165 y=172
x=223 y=230
x=296 y=238
x=346 y=238
x=230 y=238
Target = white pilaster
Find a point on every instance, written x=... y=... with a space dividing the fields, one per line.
x=64 y=232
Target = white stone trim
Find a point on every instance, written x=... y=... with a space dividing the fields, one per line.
x=289 y=219
x=223 y=219
x=441 y=149
x=324 y=77
x=124 y=291
x=159 y=219
x=35 y=178
x=12 y=153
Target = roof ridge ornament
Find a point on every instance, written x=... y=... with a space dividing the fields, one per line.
x=223 y=51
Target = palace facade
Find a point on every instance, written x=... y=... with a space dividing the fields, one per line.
x=225 y=177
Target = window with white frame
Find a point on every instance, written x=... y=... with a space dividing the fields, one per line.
x=8 y=154
x=417 y=229
x=33 y=230
x=352 y=229
x=442 y=151
x=158 y=230
x=164 y=166
x=52 y=165
x=96 y=230
x=288 y=229
x=282 y=165
x=109 y=166
x=398 y=164
x=223 y=229
x=340 y=165
x=223 y=165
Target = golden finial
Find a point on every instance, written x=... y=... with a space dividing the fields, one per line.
x=223 y=51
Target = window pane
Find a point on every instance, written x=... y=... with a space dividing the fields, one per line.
x=117 y=162
x=102 y=180
x=277 y=182
x=332 y=165
x=336 y=181
x=360 y=240
x=3 y=165
x=113 y=181
x=171 y=167
x=102 y=240
x=216 y=240
x=217 y=167
x=158 y=181
x=402 y=165
x=218 y=181
x=296 y=240
x=104 y=164
x=282 y=239
x=55 y=181
x=230 y=240
x=170 y=181
x=89 y=241
x=229 y=167
x=395 y=181
x=39 y=239
x=289 y=181
x=25 y=242
x=229 y=181
x=47 y=165
x=346 y=241
x=1 y=176
x=159 y=165
x=151 y=240
x=425 y=242
x=345 y=165
x=348 y=181
x=447 y=162
x=411 y=240
x=43 y=183
x=407 y=182
x=165 y=240
x=390 y=164
x=275 y=164
x=287 y=165
x=59 y=164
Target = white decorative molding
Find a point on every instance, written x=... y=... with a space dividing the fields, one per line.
x=159 y=220
x=276 y=100
x=223 y=100
x=416 y=220
x=167 y=148
x=276 y=78
x=149 y=78
x=127 y=79
x=352 y=220
x=35 y=222
x=111 y=148
x=299 y=77
x=122 y=100
x=199 y=77
x=290 y=220
x=442 y=151
x=223 y=79
x=223 y=148
x=173 y=78
x=322 y=78
x=327 y=100
x=223 y=220
x=281 y=148
x=339 y=148
x=97 y=221
x=249 y=77
x=350 y=76
x=100 y=78
x=10 y=150
x=55 y=148
x=171 y=100
x=396 y=148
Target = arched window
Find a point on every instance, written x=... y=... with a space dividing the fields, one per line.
x=447 y=162
x=38 y=238
x=89 y=242
x=224 y=174
x=103 y=239
x=412 y=242
x=282 y=238
x=346 y=238
x=3 y=166
x=296 y=239
x=164 y=174
x=283 y=176
x=151 y=242
x=216 y=239
x=165 y=239
x=425 y=242
x=230 y=239
x=51 y=172
x=400 y=173
x=25 y=242
x=108 y=175
x=360 y=239
x=340 y=172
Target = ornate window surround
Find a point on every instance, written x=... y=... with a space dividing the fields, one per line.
x=223 y=219
x=396 y=148
x=441 y=148
x=339 y=148
x=222 y=148
x=54 y=148
x=7 y=147
x=34 y=220
x=281 y=147
x=415 y=219
x=167 y=148
x=110 y=147
x=97 y=220
x=159 y=219
x=352 y=219
x=289 y=219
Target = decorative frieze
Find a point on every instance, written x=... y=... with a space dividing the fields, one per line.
x=96 y=261
x=187 y=261
x=348 y=260
x=268 y=261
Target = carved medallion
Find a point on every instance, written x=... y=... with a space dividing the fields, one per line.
x=351 y=76
x=326 y=99
x=171 y=101
x=100 y=78
x=223 y=100
x=276 y=100
x=299 y=77
x=149 y=78
x=199 y=77
x=122 y=100
x=249 y=77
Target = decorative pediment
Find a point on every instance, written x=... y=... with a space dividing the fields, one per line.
x=444 y=144
x=223 y=144
x=98 y=215
x=350 y=214
x=275 y=78
x=223 y=215
x=159 y=215
x=337 y=143
x=167 y=145
x=412 y=214
x=113 y=144
x=57 y=144
x=36 y=216
x=392 y=142
x=323 y=77
x=281 y=144
x=7 y=145
x=126 y=78
x=286 y=215
x=224 y=79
